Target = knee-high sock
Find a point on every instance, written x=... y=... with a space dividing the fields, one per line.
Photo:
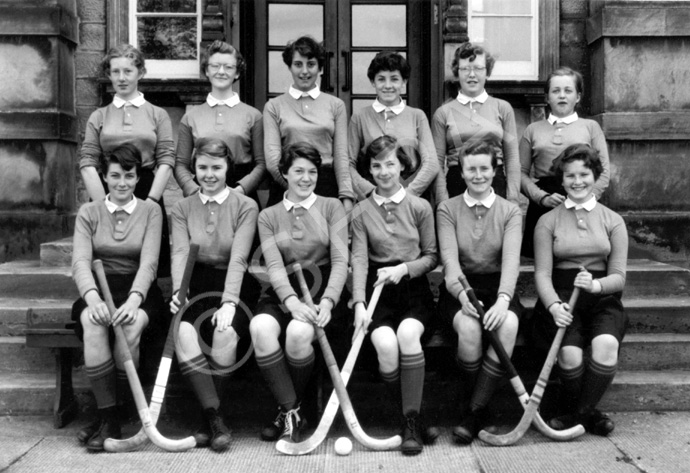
x=124 y=393
x=595 y=382
x=412 y=381
x=300 y=372
x=275 y=371
x=198 y=373
x=571 y=387
x=221 y=379
x=392 y=382
x=103 y=383
x=469 y=371
x=487 y=382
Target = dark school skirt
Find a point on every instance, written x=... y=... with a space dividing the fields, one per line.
x=485 y=287
x=550 y=184
x=594 y=314
x=120 y=285
x=456 y=184
x=209 y=279
x=326 y=186
x=411 y=298
x=141 y=191
x=236 y=173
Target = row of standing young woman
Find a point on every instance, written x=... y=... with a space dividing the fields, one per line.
x=394 y=223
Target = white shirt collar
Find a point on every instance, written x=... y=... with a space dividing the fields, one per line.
x=588 y=206
x=397 y=109
x=297 y=94
x=220 y=197
x=471 y=201
x=567 y=120
x=396 y=198
x=137 y=102
x=112 y=207
x=464 y=99
x=306 y=203
x=231 y=102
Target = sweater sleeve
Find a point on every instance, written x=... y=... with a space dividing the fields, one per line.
x=183 y=160
x=180 y=244
x=543 y=260
x=510 y=262
x=599 y=144
x=82 y=253
x=360 y=254
x=360 y=185
x=616 y=265
x=529 y=188
x=341 y=162
x=438 y=133
x=510 y=153
x=165 y=143
x=241 y=246
x=337 y=233
x=91 y=151
x=429 y=162
x=428 y=259
x=251 y=181
x=150 y=250
x=448 y=245
x=275 y=267
x=272 y=142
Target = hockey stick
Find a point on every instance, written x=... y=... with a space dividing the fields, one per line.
x=515 y=381
x=331 y=410
x=338 y=384
x=126 y=445
x=535 y=399
x=134 y=383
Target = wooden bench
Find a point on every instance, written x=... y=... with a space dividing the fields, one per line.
x=61 y=338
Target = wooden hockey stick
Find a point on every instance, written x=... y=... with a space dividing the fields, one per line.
x=535 y=399
x=156 y=437
x=134 y=442
x=338 y=384
x=515 y=381
x=319 y=435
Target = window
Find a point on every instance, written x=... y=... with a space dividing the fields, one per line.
x=168 y=34
x=510 y=31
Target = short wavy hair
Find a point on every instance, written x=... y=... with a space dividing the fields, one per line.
x=123 y=50
x=301 y=149
x=471 y=51
x=126 y=155
x=480 y=147
x=213 y=147
x=307 y=47
x=221 y=47
x=380 y=147
x=389 y=61
x=566 y=72
x=578 y=152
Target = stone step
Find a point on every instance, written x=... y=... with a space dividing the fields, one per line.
x=27 y=279
x=16 y=357
x=33 y=393
x=13 y=313
x=655 y=351
x=56 y=253
x=648 y=391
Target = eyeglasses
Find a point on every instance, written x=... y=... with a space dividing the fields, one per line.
x=217 y=67
x=475 y=69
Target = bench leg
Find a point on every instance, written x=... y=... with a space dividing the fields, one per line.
x=65 y=406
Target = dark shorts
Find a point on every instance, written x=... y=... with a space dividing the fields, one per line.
x=409 y=299
x=594 y=315
x=271 y=305
x=120 y=286
x=207 y=279
x=456 y=184
x=485 y=286
x=551 y=185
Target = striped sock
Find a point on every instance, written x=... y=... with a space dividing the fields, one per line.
x=103 y=383
x=596 y=381
x=487 y=382
x=300 y=372
x=571 y=386
x=392 y=382
x=221 y=380
x=469 y=371
x=277 y=376
x=412 y=381
x=198 y=373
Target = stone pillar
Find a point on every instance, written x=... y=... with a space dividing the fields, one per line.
x=38 y=126
x=641 y=97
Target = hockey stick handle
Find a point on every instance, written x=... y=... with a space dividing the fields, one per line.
x=169 y=348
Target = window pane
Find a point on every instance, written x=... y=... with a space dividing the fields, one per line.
x=360 y=65
x=167 y=38
x=279 y=77
x=379 y=25
x=503 y=7
x=288 y=22
x=166 y=6
x=490 y=32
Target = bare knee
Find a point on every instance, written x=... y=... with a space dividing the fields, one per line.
x=605 y=350
x=264 y=330
x=385 y=342
x=409 y=334
x=224 y=343
x=469 y=333
x=570 y=357
x=298 y=339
